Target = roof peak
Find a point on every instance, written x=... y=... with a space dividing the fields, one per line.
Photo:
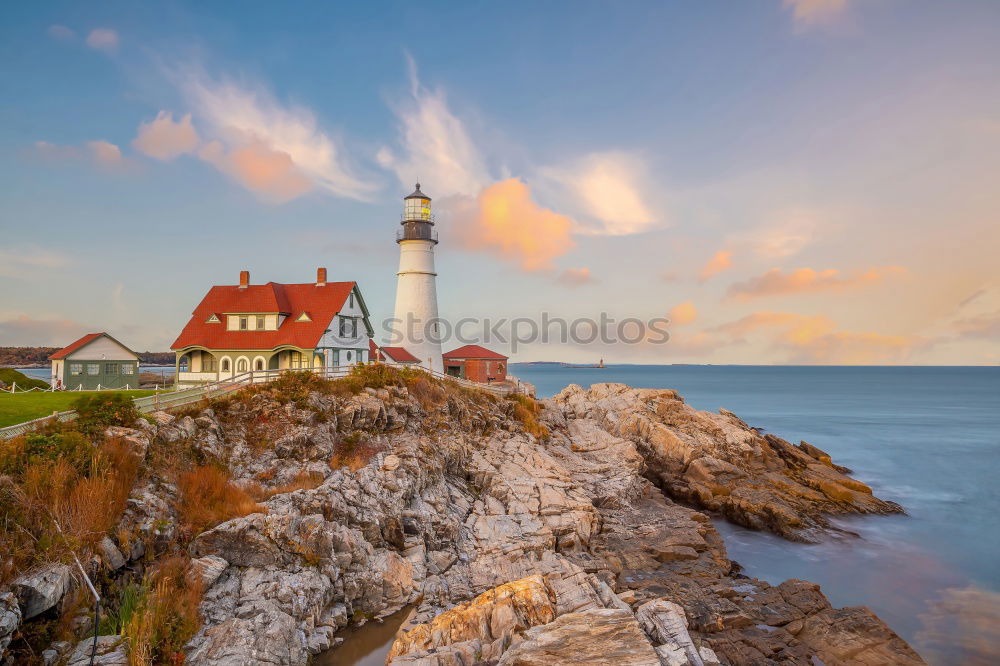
x=417 y=194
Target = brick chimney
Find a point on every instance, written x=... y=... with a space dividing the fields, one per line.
x=320 y=277
x=244 y=279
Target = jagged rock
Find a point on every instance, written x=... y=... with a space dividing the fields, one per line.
x=54 y=652
x=206 y=570
x=665 y=623
x=10 y=618
x=598 y=637
x=111 y=651
x=148 y=520
x=162 y=418
x=41 y=590
x=110 y=555
x=136 y=440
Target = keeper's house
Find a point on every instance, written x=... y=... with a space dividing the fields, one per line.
x=253 y=327
x=476 y=363
x=95 y=361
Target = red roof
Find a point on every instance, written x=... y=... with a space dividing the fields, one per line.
x=474 y=351
x=400 y=355
x=321 y=302
x=69 y=349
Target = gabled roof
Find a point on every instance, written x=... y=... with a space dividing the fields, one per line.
x=83 y=342
x=322 y=302
x=474 y=351
x=400 y=355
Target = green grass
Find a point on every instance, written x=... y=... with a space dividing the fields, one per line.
x=9 y=375
x=21 y=407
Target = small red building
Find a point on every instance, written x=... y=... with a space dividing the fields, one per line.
x=476 y=363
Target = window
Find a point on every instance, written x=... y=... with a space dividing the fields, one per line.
x=242 y=365
x=207 y=363
x=93 y=368
x=128 y=369
x=260 y=323
x=258 y=364
x=76 y=368
x=225 y=365
x=111 y=368
x=214 y=319
x=348 y=327
x=243 y=323
x=348 y=357
x=352 y=299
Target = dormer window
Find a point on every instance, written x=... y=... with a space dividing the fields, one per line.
x=244 y=323
x=352 y=299
x=213 y=319
x=348 y=327
x=304 y=317
x=260 y=322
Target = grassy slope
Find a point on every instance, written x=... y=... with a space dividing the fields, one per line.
x=22 y=407
x=10 y=375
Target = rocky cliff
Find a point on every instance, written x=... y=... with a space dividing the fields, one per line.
x=520 y=535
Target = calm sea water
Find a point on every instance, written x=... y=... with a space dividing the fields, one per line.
x=928 y=438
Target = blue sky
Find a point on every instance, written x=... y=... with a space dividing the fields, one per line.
x=808 y=181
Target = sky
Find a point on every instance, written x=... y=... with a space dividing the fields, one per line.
x=786 y=181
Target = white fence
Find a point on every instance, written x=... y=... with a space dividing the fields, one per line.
x=187 y=396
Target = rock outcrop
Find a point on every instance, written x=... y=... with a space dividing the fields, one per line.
x=580 y=547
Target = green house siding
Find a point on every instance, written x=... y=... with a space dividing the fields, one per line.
x=90 y=375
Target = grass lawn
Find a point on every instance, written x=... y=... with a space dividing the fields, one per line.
x=21 y=407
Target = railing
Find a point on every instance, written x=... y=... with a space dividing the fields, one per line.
x=413 y=234
x=179 y=398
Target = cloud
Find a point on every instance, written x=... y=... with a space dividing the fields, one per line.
x=814 y=339
x=22 y=330
x=504 y=220
x=21 y=262
x=103 y=39
x=164 y=139
x=273 y=175
x=60 y=32
x=684 y=313
x=575 y=277
x=437 y=148
x=813 y=12
x=720 y=261
x=100 y=152
x=105 y=153
x=806 y=280
x=985 y=326
x=787 y=235
x=275 y=148
x=607 y=187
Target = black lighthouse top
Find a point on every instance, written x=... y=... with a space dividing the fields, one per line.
x=417 y=220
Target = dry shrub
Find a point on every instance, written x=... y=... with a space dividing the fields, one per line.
x=526 y=411
x=426 y=390
x=59 y=477
x=164 y=616
x=302 y=481
x=207 y=498
x=354 y=451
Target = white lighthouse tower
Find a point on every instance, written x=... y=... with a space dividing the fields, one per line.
x=416 y=288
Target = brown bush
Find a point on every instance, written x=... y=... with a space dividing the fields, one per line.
x=526 y=411
x=208 y=498
x=165 y=615
x=354 y=451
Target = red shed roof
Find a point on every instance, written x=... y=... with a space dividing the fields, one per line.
x=322 y=302
x=69 y=349
x=400 y=355
x=474 y=351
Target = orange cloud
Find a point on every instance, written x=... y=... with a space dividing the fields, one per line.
x=270 y=173
x=105 y=153
x=685 y=313
x=796 y=328
x=507 y=222
x=575 y=277
x=719 y=262
x=775 y=282
x=811 y=12
x=164 y=139
x=100 y=152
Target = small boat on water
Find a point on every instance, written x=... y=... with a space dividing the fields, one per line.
x=599 y=364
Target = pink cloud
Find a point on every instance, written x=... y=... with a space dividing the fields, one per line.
x=103 y=39
x=164 y=139
x=269 y=173
x=720 y=261
x=775 y=282
x=23 y=330
x=684 y=313
x=813 y=12
x=575 y=277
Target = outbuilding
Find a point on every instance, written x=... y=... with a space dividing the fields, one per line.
x=476 y=363
x=95 y=361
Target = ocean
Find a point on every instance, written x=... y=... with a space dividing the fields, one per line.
x=926 y=437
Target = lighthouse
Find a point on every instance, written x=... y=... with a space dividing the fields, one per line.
x=416 y=288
